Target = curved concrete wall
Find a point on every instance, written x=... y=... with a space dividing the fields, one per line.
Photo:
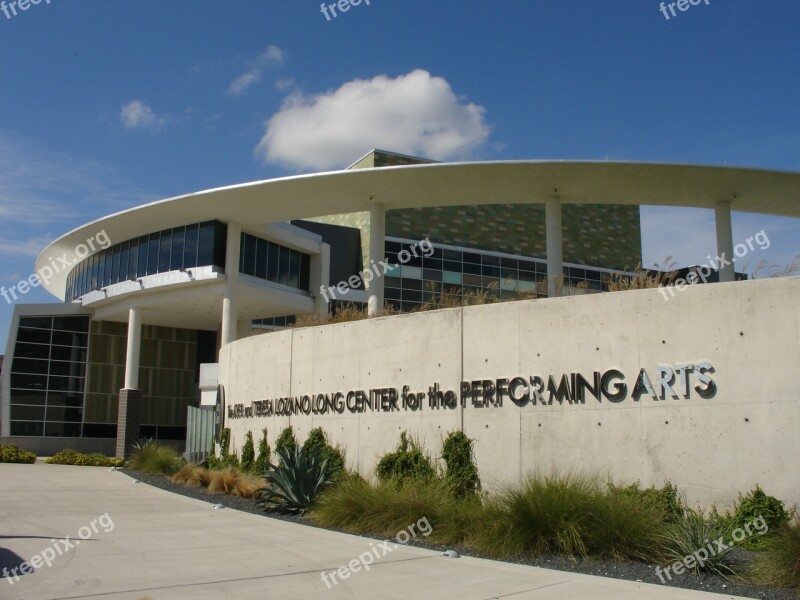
x=726 y=423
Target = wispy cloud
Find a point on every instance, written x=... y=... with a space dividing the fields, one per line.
x=136 y=114
x=271 y=57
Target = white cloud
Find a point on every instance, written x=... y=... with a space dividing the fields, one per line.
x=244 y=81
x=270 y=58
x=136 y=114
x=413 y=114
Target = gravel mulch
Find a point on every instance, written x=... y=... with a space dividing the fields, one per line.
x=627 y=570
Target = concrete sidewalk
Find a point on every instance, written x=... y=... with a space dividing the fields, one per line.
x=165 y=546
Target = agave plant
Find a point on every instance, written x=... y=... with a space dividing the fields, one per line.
x=295 y=481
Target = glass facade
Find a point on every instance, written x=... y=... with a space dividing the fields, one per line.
x=273 y=262
x=48 y=376
x=197 y=245
x=416 y=277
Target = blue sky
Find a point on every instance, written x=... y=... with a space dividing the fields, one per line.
x=106 y=105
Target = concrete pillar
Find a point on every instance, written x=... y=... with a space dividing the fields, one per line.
x=724 y=239
x=129 y=413
x=134 y=349
x=320 y=278
x=230 y=310
x=377 y=252
x=555 y=252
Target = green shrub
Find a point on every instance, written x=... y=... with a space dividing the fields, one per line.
x=571 y=514
x=295 y=483
x=779 y=563
x=317 y=443
x=408 y=461
x=261 y=465
x=462 y=473
x=248 y=453
x=73 y=457
x=384 y=509
x=286 y=443
x=158 y=459
x=13 y=454
x=694 y=532
x=754 y=505
x=665 y=499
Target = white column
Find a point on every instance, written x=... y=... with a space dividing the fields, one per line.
x=377 y=252
x=555 y=253
x=134 y=346
x=230 y=310
x=320 y=278
x=724 y=238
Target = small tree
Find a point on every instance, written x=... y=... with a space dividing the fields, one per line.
x=286 y=442
x=408 y=461
x=248 y=453
x=264 y=452
x=317 y=443
x=462 y=473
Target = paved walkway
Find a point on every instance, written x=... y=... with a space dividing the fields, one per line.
x=143 y=542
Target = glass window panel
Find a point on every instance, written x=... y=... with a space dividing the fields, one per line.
x=283 y=265
x=392 y=282
x=451 y=277
x=492 y=282
x=99 y=430
x=62 y=429
x=432 y=263
x=272 y=262
x=472 y=268
x=294 y=269
x=412 y=272
x=249 y=252
x=412 y=296
x=80 y=324
x=527 y=265
x=474 y=280
x=28 y=382
x=74 y=385
x=27 y=413
x=29 y=365
x=66 y=338
x=40 y=351
x=133 y=260
x=305 y=272
x=141 y=264
x=410 y=259
x=109 y=254
x=392 y=293
x=36 y=336
x=472 y=257
x=449 y=265
x=527 y=276
x=152 y=253
x=431 y=275
x=28 y=397
x=37 y=322
x=491 y=271
x=69 y=399
x=164 y=250
x=242 y=244
x=67 y=353
x=488 y=259
x=262 y=250
x=412 y=284
x=205 y=249
x=116 y=254
x=454 y=255
x=67 y=369
x=27 y=428
x=176 y=253
x=190 y=247
x=509 y=263
x=392 y=246
x=220 y=244
x=62 y=413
